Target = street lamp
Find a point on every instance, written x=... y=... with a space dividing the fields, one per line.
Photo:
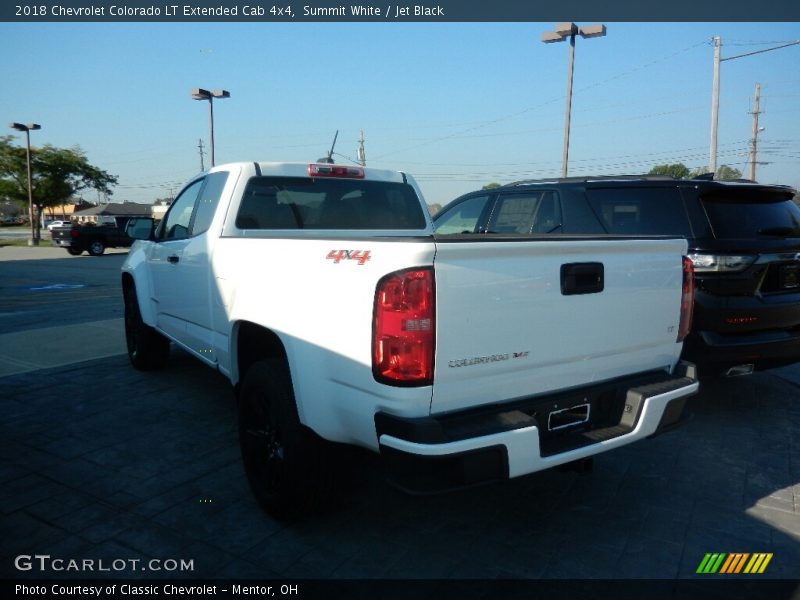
x=201 y=94
x=27 y=129
x=563 y=32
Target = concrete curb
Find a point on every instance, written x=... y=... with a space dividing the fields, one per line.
x=8 y=253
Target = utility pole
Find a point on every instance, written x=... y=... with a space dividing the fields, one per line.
x=754 y=140
x=712 y=158
x=200 y=149
x=361 y=155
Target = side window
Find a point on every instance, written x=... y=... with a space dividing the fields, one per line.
x=640 y=210
x=548 y=214
x=528 y=212
x=464 y=217
x=207 y=203
x=176 y=222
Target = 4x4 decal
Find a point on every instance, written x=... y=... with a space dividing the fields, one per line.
x=336 y=256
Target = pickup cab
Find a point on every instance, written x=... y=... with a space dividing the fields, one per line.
x=323 y=294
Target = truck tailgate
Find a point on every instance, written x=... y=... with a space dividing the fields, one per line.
x=516 y=318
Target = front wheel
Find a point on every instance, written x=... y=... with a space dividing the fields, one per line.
x=96 y=247
x=147 y=349
x=286 y=464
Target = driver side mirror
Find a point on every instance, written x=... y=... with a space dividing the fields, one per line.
x=140 y=228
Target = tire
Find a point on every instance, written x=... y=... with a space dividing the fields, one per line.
x=96 y=247
x=286 y=463
x=75 y=251
x=147 y=349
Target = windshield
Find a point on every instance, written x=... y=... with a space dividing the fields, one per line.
x=743 y=218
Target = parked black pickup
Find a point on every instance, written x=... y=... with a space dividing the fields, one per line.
x=92 y=238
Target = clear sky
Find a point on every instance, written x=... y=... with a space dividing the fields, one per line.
x=458 y=105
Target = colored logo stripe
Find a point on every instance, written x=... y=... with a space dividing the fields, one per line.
x=758 y=563
x=710 y=563
x=734 y=563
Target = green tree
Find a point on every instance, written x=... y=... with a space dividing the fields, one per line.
x=723 y=172
x=491 y=186
x=57 y=174
x=676 y=170
x=727 y=173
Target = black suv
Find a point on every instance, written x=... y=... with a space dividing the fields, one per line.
x=744 y=241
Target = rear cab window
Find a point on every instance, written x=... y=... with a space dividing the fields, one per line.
x=297 y=203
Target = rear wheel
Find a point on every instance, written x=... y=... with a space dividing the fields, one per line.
x=147 y=349
x=96 y=247
x=285 y=462
x=75 y=251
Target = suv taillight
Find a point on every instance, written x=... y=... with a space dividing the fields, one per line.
x=721 y=263
x=403 y=328
x=687 y=299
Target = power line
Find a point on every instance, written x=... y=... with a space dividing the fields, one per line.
x=531 y=108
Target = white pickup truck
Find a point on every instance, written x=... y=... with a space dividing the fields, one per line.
x=322 y=292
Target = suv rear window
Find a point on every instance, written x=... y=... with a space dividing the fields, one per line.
x=640 y=211
x=748 y=217
x=309 y=203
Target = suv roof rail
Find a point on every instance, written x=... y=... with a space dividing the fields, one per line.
x=587 y=178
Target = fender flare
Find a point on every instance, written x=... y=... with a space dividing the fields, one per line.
x=135 y=274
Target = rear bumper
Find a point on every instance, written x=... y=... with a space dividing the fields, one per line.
x=731 y=330
x=434 y=454
x=62 y=243
x=715 y=353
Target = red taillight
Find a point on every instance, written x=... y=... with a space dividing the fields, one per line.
x=326 y=170
x=404 y=334
x=74 y=232
x=687 y=299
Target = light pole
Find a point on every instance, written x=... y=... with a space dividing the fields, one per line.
x=201 y=94
x=34 y=241
x=717 y=41
x=563 y=32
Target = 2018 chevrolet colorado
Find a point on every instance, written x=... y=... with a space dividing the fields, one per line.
x=324 y=296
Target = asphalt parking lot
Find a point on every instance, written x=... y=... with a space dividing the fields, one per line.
x=99 y=461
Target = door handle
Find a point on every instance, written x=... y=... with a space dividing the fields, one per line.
x=582 y=278
x=173 y=259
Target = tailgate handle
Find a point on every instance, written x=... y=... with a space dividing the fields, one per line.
x=581 y=278
x=173 y=259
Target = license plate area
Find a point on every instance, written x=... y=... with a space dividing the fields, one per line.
x=569 y=417
x=562 y=419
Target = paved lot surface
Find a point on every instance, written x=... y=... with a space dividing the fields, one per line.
x=46 y=287
x=99 y=461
